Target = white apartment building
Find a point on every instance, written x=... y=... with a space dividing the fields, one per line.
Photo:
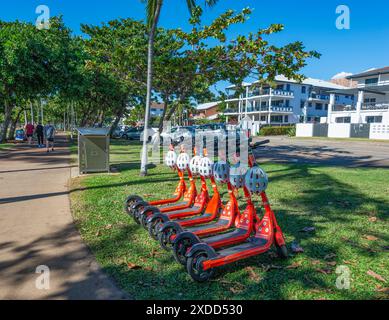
x=286 y=102
x=370 y=103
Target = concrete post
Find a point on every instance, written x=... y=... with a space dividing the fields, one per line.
x=361 y=99
x=270 y=101
x=330 y=107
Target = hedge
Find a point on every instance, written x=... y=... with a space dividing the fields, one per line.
x=277 y=131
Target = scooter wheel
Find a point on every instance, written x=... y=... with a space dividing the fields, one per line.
x=180 y=248
x=137 y=208
x=282 y=251
x=194 y=266
x=164 y=238
x=129 y=202
x=153 y=227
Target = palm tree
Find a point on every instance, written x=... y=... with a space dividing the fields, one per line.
x=153 y=10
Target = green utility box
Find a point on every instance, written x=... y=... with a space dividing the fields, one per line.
x=93 y=150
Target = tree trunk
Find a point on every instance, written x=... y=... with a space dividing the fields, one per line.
x=7 y=120
x=160 y=126
x=11 y=133
x=150 y=56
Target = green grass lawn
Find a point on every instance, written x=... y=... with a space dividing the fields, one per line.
x=5 y=146
x=349 y=209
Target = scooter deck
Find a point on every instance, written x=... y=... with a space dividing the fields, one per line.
x=228 y=238
x=176 y=214
x=250 y=244
x=172 y=205
x=220 y=225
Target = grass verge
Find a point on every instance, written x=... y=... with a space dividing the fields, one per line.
x=348 y=208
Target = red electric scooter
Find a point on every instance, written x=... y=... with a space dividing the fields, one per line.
x=203 y=258
x=152 y=216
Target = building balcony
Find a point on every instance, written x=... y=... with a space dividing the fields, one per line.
x=261 y=109
x=373 y=106
x=374 y=84
x=318 y=97
x=342 y=108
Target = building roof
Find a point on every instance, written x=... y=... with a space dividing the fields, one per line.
x=371 y=72
x=156 y=105
x=208 y=105
x=307 y=81
x=312 y=82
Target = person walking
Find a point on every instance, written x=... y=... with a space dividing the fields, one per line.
x=50 y=135
x=29 y=132
x=39 y=134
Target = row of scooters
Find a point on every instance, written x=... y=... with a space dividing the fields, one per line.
x=202 y=232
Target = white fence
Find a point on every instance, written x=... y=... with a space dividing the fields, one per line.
x=343 y=130
x=304 y=130
x=339 y=130
x=379 y=131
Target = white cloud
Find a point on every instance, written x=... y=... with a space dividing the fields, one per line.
x=342 y=75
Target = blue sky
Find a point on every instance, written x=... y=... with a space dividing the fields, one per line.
x=364 y=46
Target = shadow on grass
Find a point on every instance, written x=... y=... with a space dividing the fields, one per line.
x=322 y=201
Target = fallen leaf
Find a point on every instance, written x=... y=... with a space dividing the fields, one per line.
x=331 y=263
x=133 y=266
x=316 y=262
x=370 y=237
x=383 y=290
x=296 y=248
x=98 y=233
x=324 y=271
x=108 y=226
x=373 y=219
x=308 y=229
x=147 y=195
x=329 y=256
x=294 y=265
x=253 y=275
x=371 y=273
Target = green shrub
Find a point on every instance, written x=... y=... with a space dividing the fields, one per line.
x=277 y=131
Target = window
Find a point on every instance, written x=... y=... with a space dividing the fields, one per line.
x=276 y=119
x=319 y=106
x=280 y=87
x=287 y=103
x=370 y=100
x=374 y=119
x=288 y=87
x=263 y=104
x=263 y=118
x=302 y=104
x=343 y=120
x=371 y=81
x=326 y=106
x=286 y=119
x=310 y=104
x=303 y=89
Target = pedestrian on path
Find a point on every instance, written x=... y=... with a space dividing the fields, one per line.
x=29 y=132
x=50 y=135
x=39 y=134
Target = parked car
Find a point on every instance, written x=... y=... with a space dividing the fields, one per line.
x=136 y=133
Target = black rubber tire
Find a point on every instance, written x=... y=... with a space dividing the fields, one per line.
x=163 y=238
x=153 y=227
x=179 y=250
x=142 y=220
x=282 y=251
x=139 y=207
x=193 y=267
x=129 y=201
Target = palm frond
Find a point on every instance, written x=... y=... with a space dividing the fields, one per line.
x=151 y=7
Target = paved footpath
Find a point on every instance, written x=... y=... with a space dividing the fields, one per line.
x=36 y=228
